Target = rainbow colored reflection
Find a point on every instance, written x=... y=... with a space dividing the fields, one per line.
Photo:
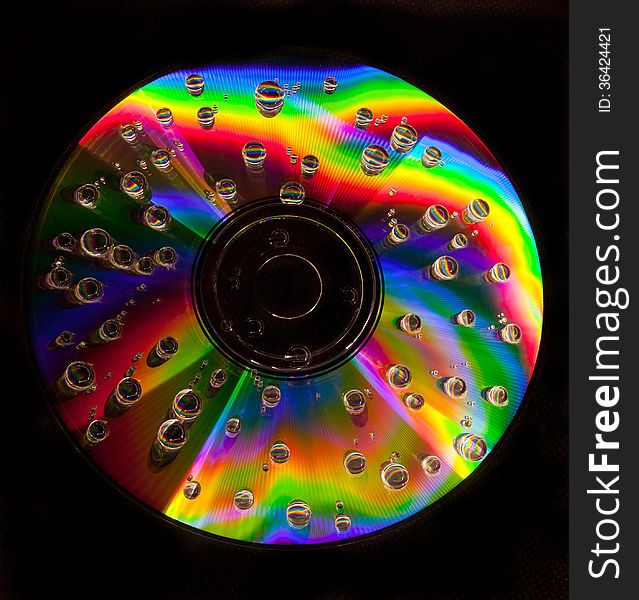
x=180 y=139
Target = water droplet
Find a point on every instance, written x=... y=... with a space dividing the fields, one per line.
x=87 y=291
x=398 y=235
x=435 y=217
x=87 y=195
x=156 y=217
x=265 y=467
x=465 y=318
x=292 y=193
x=161 y=159
x=309 y=165
x=455 y=387
x=431 y=465
x=280 y=453
x=128 y=134
x=466 y=422
x=476 y=211
x=399 y=376
x=411 y=323
x=171 y=436
x=363 y=118
x=498 y=273
x=64 y=241
x=342 y=523
x=110 y=330
x=394 y=475
x=298 y=514
x=374 y=159
x=97 y=431
x=496 y=394
x=187 y=405
x=271 y=396
x=511 y=333
x=218 y=378
x=470 y=446
x=403 y=138
x=165 y=257
x=269 y=98
x=233 y=426
x=254 y=155
x=194 y=84
x=95 y=242
x=143 y=266
x=133 y=184
x=166 y=347
x=243 y=499
x=458 y=242
x=414 y=401
x=444 y=268
x=164 y=117
x=79 y=376
x=58 y=278
x=226 y=190
x=330 y=85
x=127 y=392
x=354 y=462
x=431 y=157
x=192 y=490
x=120 y=257
x=206 y=117
x=354 y=402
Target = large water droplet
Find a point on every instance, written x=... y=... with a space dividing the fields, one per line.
x=292 y=193
x=166 y=347
x=498 y=273
x=354 y=462
x=58 y=278
x=398 y=235
x=172 y=435
x=127 y=392
x=414 y=401
x=95 y=242
x=374 y=159
x=87 y=291
x=164 y=117
x=87 y=195
x=411 y=323
x=330 y=85
x=120 y=257
x=218 y=378
x=226 y=190
x=79 y=376
x=187 y=405
x=476 y=211
x=398 y=376
x=309 y=165
x=194 y=84
x=192 y=489
x=354 y=402
x=254 y=155
x=496 y=394
x=110 y=330
x=436 y=217
x=269 y=98
x=280 y=452
x=161 y=159
x=271 y=396
x=465 y=318
x=128 y=134
x=342 y=523
x=470 y=446
x=298 y=514
x=363 y=118
x=97 y=431
x=455 y=387
x=394 y=476
x=133 y=184
x=444 y=268
x=165 y=257
x=156 y=217
x=431 y=465
x=404 y=138
x=511 y=333
x=243 y=499
x=458 y=242
x=431 y=157
x=206 y=117
x=233 y=427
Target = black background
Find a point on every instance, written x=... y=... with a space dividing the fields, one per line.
x=499 y=65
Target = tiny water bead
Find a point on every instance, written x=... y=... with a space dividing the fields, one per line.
x=87 y=195
x=280 y=452
x=269 y=98
x=161 y=160
x=496 y=395
x=128 y=134
x=465 y=318
x=511 y=333
x=431 y=465
x=292 y=193
x=120 y=257
x=399 y=376
x=445 y=268
x=243 y=499
x=455 y=387
x=254 y=155
x=498 y=273
x=171 y=436
x=166 y=347
x=431 y=157
x=342 y=523
x=363 y=118
x=165 y=257
x=414 y=401
x=476 y=211
x=58 y=278
x=394 y=476
x=374 y=159
x=127 y=392
x=164 y=117
x=110 y=330
x=470 y=446
x=403 y=139
x=97 y=431
x=134 y=184
x=411 y=323
x=95 y=242
x=271 y=396
x=233 y=427
x=206 y=117
x=436 y=217
x=330 y=85
x=398 y=235
x=192 y=489
x=309 y=165
x=298 y=514
x=354 y=402
x=218 y=378
x=226 y=189
x=187 y=405
x=458 y=241
x=194 y=84
x=87 y=291
x=354 y=462
x=156 y=217
x=79 y=376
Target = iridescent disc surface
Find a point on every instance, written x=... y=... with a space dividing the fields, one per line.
x=417 y=401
